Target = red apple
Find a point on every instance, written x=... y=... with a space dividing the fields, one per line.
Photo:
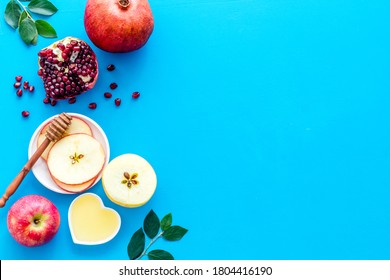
x=33 y=220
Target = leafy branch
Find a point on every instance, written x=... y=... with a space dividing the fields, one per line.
x=18 y=16
x=154 y=229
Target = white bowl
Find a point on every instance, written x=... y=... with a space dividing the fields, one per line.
x=40 y=170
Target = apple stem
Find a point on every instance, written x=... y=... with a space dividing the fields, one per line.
x=124 y=3
x=150 y=244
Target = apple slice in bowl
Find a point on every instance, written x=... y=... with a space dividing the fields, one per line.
x=77 y=126
x=40 y=169
x=76 y=188
x=76 y=159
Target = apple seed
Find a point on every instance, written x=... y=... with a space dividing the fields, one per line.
x=75 y=158
x=130 y=179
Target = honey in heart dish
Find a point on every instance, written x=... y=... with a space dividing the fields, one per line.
x=90 y=222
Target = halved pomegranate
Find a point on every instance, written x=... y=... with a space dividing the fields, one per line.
x=68 y=68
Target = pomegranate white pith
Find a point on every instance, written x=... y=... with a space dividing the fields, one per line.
x=68 y=68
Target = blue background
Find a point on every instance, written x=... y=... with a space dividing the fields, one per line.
x=267 y=123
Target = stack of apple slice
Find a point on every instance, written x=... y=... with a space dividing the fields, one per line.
x=76 y=160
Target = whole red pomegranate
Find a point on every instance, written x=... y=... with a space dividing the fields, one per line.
x=118 y=25
x=68 y=68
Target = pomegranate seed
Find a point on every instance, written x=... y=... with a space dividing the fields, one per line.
x=42 y=53
x=111 y=67
x=92 y=105
x=31 y=88
x=19 y=92
x=46 y=100
x=18 y=78
x=72 y=100
x=53 y=102
x=135 y=94
x=107 y=95
x=17 y=85
x=118 y=101
x=113 y=86
x=25 y=114
x=26 y=85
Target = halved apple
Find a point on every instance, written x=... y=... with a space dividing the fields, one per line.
x=129 y=180
x=77 y=126
x=76 y=159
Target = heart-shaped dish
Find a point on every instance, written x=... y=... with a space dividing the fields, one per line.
x=90 y=222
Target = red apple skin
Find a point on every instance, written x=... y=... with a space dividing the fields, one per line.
x=33 y=220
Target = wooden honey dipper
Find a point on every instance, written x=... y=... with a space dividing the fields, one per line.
x=54 y=132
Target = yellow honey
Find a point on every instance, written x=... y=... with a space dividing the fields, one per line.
x=90 y=222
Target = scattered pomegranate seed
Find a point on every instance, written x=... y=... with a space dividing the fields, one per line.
x=17 y=85
x=113 y=85
x=18 y=78
x=72 y=100
x=26 y=85
x=118 y=101
x=19 y=92
x=31 y=88
x=25 y=114
x=46 y=100
x=53 y=102
x=107 y=95
x=40 y=72
x=111 y=67
x=92 y=105
x=135 y=95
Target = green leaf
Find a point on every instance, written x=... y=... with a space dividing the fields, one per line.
x=174 y=233
x=27 y=30
x=22 y=17
x=35 y=40
x=42 y=7
x=45 y=29
x=12 y=14
x=159 y=255
x=136 y=244
x=166 y=222
x=151 y=224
